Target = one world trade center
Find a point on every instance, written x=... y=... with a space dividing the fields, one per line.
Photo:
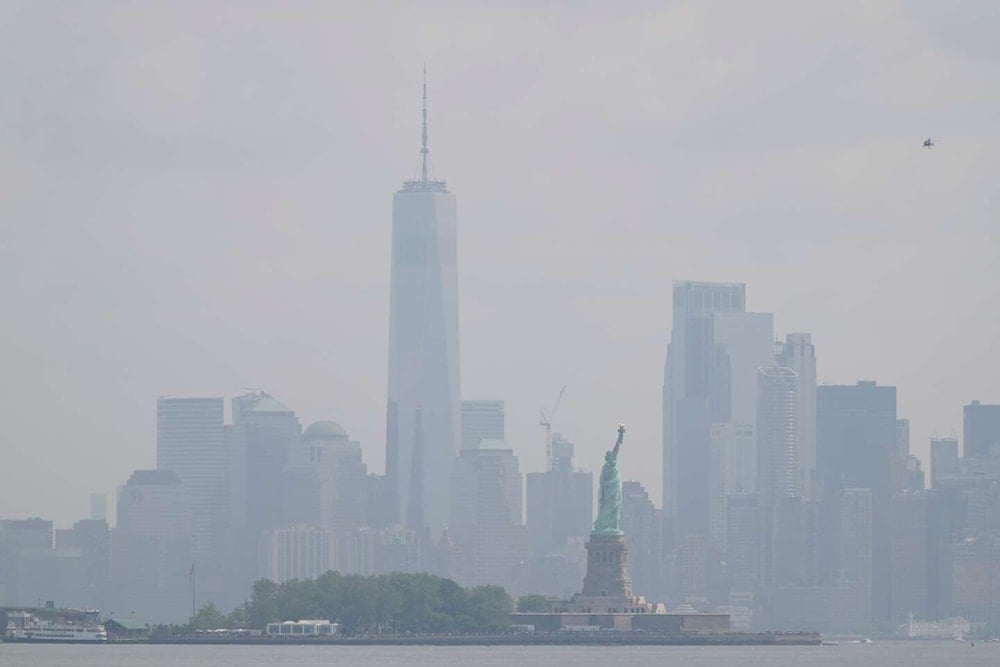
x=423 y=412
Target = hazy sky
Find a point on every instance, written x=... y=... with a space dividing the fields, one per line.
x=196 y=198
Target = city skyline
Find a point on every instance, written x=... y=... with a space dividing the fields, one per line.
x=157 y=285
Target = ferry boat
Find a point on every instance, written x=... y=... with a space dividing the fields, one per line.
x=27 y=628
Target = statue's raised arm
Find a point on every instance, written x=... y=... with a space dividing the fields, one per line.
x=609 y=502
x=618 y=444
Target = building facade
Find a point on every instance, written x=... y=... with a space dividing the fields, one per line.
x=798 y=353
x=190 y=442
x=423 y=415
x=299 y=552
x=856 y=445
x=980 y=429
x=482 y=420
x=710 y=377
x=151 y=548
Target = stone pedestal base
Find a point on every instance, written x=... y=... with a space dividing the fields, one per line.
x=607 y=568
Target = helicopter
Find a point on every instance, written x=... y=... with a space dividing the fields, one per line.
x=928 y=143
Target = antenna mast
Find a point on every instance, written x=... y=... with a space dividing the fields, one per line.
x=424 y=151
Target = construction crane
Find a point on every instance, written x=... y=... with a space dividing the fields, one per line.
x=546 y=422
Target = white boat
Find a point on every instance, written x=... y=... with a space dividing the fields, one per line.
x=34 y=630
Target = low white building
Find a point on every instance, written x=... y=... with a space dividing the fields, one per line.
x=303 y=628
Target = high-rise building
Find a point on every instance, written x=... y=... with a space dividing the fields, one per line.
x=976 y=585
x=423 y=414
x=798 y=353
x=783 y=555
x=907 y=472
x=642 y=524
x=734 y=472
x=743 y=543
x=560 y=503
x=709 y=377
x=91 y=538
x=486 y=486
x=262 y=437
x=855 y=568
x=924 y=526
x=342 y=475
x=856 y=443
x=487 y=529
x=190 y=442
x=481 y=420
x=263 y=433
x=151 y=557
x=747 y=343
x=18 y=537
x=981 y=429
x=777 y=434
x=944 y=460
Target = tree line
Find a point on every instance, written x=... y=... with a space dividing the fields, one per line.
x=385 y=604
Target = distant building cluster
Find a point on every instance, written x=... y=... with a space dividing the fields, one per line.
x=786 y=504
x=799 y=507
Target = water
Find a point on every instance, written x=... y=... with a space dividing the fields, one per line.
x=880 y=654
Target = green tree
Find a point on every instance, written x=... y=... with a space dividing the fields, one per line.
x=395 y=603
x=263 y=605
x=208 y=618
x=534 y=602
x=490 y=608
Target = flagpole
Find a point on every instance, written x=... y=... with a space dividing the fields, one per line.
x=193 y=610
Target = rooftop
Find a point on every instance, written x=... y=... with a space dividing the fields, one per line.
x=325 y=429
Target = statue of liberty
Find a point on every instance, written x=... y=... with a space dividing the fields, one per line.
x=609 y=507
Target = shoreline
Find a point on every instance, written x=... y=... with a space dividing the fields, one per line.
x=589 y=639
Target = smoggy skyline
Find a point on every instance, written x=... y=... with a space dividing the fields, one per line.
x=196 y=198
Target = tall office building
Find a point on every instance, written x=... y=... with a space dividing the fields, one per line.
x=263 y=433
x=855 y=557
x=743 y=543
x=907 y=471
x=486 y=486
x=798 y=353
x=981 y=429
x=642 y=524
x=486 y=528
x=423 y=414
x=92 y=539
x=944 y=460
x=342 y=473
x=560 y=502
x=783 y=542
x=18 y=537
x=481 y=420
x=260 y=440
x=709 y=377
x=777 y=434
x=856 y=445
x=924 y=526
x=745 y=342
x=151 y=554
x=734 y=472
x=190 y=442
x=691 y=402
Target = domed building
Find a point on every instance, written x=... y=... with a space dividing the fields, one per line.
x=342 y=474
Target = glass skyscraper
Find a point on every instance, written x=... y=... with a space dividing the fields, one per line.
x=423 y=413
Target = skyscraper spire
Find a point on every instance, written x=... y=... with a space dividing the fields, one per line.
x=424 y=151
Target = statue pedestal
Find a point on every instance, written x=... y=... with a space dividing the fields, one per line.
x=607 y=569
